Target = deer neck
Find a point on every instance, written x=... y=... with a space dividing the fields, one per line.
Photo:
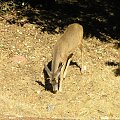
x=55 y=63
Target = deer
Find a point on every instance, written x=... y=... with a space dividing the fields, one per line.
x=62 y=54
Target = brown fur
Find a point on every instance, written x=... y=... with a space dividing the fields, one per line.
x=63 y=51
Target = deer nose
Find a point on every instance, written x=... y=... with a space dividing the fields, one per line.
x=55 y=91
x=55 y=88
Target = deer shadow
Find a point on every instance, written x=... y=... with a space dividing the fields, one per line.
x=112 y=63
x=73 y=63
x=47 y=85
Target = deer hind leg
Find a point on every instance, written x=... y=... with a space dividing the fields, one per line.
x=81 y=49
x=82 y=57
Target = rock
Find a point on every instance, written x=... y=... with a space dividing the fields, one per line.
x=50 y=107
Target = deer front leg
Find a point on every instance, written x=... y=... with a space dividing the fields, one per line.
x=68 y=63
x=61 y=77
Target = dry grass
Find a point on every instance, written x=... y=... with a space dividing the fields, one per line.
x=92 y=95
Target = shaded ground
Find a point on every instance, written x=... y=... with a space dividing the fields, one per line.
x=100 y=18
x=92 y=95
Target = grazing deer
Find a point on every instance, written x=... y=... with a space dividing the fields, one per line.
x=62 y=53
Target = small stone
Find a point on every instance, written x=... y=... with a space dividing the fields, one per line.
x=38 y=92
x=42 y=76
x=84 y=68
x=50 y=107
x=57 y=29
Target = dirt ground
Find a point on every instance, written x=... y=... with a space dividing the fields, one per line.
x=95 y=94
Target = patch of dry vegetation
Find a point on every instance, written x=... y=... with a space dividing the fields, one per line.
x=92 y=95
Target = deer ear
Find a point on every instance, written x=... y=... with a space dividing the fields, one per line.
x=47 y=70
x=57 y=73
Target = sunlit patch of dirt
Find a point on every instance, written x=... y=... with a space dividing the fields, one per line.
x=95 y=94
